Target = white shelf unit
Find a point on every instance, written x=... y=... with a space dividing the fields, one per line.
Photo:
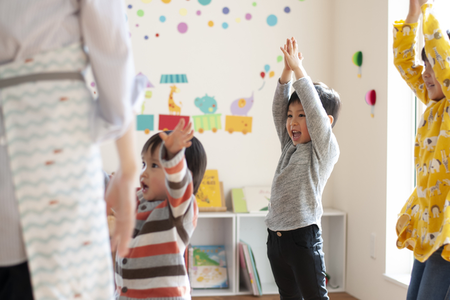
x=228 y=228
x=217 y=228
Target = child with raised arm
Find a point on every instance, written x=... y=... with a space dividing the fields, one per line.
x=303 y=122
x=424 y=222
x=172 y=170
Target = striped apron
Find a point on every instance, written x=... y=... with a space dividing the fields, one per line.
x=57 y=175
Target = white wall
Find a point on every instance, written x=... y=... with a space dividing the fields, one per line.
x=359 y=182
x=226 y=63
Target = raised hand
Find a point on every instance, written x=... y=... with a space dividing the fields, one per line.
x=293 y=59
x=179 y=138
x=414 y=10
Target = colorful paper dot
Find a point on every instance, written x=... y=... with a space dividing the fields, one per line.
x=266 y=68
x=254 y=3
x=166 y=1
x=204 y=2
x=210 y=23
x=224 y=25
x=248 y=16
x=183 y=11
x=238 y=20
x=137 y=25
x=199 y=13
x=140 y=13
x=226 y=10
x=146 y=37
x=93 y=84
x=157 y=35
x=130 y=6
x=272 y=20
x=146 y=1
x=279 y=58
x=287 y=9
x=182 y=27
x=162 y=19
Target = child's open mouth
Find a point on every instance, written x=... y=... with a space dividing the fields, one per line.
x=296 y=135
x=144 y=187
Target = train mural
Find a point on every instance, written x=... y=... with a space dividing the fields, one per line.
x=209 y=120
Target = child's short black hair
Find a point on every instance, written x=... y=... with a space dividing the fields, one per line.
x=424 y=55
x=330 y=99
x=195 y=157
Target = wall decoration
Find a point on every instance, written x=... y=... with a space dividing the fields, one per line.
x=174 y=108
x=203 y=123
x=144 y=123
x=272 y=20
x=209 y=121
x=238 y=124
x=371 y=99
x=168 y=122
x=263 y=75
x=358 y=60
x=241 y=106
x=207 y=104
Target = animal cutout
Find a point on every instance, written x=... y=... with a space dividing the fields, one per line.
x=439 y=58
x=207 y=104
x=174 y=109
x=241 y=106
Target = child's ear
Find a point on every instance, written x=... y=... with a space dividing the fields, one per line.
x=331 y=119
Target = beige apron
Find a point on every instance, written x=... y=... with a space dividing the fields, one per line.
x=57 y=175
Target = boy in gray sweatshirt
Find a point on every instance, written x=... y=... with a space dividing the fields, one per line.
x=303 y=122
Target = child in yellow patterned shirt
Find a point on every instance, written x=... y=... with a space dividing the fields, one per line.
x=424 y=222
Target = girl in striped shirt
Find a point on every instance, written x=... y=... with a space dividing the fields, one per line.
x=173 y=168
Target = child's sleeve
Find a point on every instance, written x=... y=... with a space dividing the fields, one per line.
x=317 y=120
x=279 y=110
x=178 y=182
x=437 y=48
x=404 y=58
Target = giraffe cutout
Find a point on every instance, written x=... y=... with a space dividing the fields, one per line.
x=174 y=109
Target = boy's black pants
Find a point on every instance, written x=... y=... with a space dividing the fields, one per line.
x=297 y=262
x=15 y=283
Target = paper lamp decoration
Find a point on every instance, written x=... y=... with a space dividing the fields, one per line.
x=357 y=60
x=371 y=99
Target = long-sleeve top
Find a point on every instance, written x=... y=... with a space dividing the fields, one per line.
x=155 y=268
x=28 y=28
x=424 y=222
x=303 y=169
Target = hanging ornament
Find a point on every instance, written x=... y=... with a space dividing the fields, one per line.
x=371 y=99
x=357 y=60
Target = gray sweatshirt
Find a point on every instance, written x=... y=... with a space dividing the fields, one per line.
x=303 y=170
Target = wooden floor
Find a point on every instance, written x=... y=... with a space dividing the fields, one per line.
x=333 y=296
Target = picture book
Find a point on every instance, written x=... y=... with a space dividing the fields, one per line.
x=209 y=192
x=238 y=201
x=252 y=270
x=244 y=271
x=257 y=198
x=208 y=267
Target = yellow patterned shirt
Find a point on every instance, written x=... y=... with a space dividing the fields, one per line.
x=424 y=222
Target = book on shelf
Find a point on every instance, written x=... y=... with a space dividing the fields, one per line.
x=251 y=268
x=244 y=271
x=238 y=200
x=208 y=267
x=257 y=198
x=209 y=196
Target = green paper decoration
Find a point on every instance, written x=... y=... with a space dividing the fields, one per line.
x=357 y=60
